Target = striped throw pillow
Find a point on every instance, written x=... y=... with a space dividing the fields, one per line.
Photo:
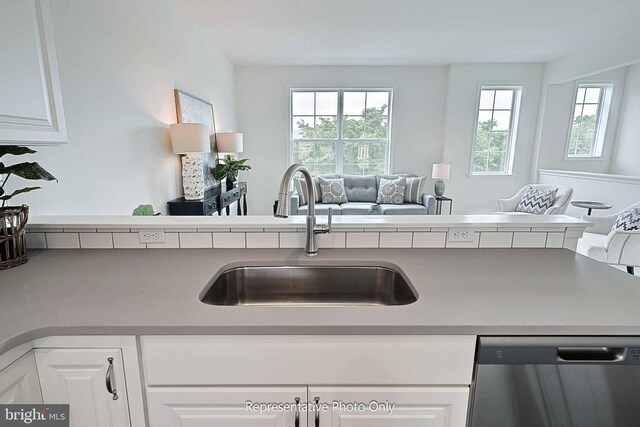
x=413 y=189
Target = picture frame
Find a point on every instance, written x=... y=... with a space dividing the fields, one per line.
x=192 y=109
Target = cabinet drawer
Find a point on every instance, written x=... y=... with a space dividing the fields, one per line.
x=276 y=360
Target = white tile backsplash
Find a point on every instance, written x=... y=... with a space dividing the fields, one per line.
x=229 y=240
x=36 y=241
x=470 y=245
x=332 y=240
x=127 y=241
x=171 y=241
x=63 y=241
x=363 y=240
x=555 y=240
x=196 y=240
x=529 y=240
x=292 y=240
x=429 y=239
x=262 y=240
x=498 y=239
x=396 y=240
x=96 y=240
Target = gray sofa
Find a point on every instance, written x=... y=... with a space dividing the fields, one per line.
x=362 y=192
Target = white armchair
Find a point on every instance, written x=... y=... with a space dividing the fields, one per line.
x=614 y=247
x=560 y=204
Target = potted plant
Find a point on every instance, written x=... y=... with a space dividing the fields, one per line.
x=228 y=169
x=13 y=219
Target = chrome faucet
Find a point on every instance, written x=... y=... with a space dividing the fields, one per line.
x=282 y=210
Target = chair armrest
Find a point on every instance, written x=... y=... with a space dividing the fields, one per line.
x=429 y=202
x=601 y=224
x=509 y=205
x=623 y=247
x=295 y=204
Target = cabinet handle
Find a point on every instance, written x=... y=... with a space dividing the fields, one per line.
x=109 y=380
x=317 y=399
x=297 y=421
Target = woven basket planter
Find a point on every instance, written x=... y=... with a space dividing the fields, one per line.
x=13 y=243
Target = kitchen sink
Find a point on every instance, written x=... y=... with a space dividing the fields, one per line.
x=304 y=285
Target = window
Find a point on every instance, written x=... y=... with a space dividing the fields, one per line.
x=496 y=130
x=589 y=120
x=341 y=131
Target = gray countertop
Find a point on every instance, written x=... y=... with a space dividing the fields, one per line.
x=461 y=291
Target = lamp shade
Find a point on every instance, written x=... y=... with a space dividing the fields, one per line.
x=440 y=171
x=229 y=142
x=190 y=138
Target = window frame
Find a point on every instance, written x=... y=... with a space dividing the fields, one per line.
x=602 y=119
x=339 y=119
x=514 y=119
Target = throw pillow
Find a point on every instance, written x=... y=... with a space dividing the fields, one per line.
x=628 y=220
x=536 y=201
x=301 y=190
x=332 y=190
x=391 y=191
x=413 y=190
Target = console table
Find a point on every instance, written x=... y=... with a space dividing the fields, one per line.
x=215 y=200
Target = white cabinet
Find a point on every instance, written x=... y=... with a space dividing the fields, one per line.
x=19 y=382
x=371 y=406
x=224 y=406
x=30 y=95
x=79 y=377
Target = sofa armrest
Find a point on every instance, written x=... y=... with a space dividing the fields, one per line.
x=601 y=224
x=295 y=204
x=429 y=202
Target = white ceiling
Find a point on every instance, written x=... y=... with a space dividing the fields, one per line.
x=391 y=32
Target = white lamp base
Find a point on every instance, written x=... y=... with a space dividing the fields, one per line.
x=192 y=177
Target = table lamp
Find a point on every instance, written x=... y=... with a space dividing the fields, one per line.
x=191 y=139
x=229 y=142
x=440 y=172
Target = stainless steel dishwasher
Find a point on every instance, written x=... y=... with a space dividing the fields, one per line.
x=557 y=382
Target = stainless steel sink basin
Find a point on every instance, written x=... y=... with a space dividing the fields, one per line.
x=309 y=285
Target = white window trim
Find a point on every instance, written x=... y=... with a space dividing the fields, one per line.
x=339 y=140
x=513 y=126
x=602 y=120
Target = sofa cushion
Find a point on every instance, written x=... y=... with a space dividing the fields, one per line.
x=332 y=190
x=391 y=191
x=321 y=209
x=356 y=208
x=361 y=188
x=405 y=209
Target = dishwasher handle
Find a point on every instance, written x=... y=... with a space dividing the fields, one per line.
x=591 y=354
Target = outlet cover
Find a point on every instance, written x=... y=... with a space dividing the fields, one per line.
x=461 y=235
x=151 y=236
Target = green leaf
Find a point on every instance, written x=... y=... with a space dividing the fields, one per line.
x=20 y=191
x=143 y=210
x=15 y=150
x=28 y=170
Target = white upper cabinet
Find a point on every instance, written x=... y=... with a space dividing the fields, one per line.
x=30 y=96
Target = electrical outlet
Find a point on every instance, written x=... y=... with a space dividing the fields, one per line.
x=151 y=236
x=461 y=235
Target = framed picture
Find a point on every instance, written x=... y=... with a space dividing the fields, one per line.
x=191 y=109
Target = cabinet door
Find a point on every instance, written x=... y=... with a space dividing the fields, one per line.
x=223 y=406
x=414 y=406
x=19 y=382
x=78 y=377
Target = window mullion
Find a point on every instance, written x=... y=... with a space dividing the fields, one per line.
x=339 y=141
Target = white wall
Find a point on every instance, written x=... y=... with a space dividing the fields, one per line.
x=556 y=124
x=479 y=194
x=417 y=131
x=626 y=160
x=119 y=62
